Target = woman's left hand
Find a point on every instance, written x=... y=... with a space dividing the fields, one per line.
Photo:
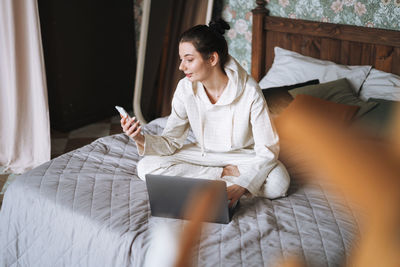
x=234 y=193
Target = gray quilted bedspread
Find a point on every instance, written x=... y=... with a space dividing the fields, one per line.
x=88 y=208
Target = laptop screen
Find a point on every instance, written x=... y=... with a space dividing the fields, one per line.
x=170 y=195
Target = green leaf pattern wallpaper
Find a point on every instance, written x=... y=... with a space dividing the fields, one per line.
x=368 y=13
x=137 y=15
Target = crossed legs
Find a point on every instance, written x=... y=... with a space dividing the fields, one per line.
x=188 y=162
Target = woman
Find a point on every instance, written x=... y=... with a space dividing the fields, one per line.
x=228 y=114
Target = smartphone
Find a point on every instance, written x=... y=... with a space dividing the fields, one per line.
x=122 y=111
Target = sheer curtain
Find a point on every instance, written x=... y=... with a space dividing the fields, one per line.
x=24 y=113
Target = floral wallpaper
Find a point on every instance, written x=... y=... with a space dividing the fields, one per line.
x=369 y=13
x=238 y=14
x=137 y=15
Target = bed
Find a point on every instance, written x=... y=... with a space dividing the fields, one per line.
x=89 y=208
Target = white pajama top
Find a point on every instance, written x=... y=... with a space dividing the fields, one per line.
x=239 y=120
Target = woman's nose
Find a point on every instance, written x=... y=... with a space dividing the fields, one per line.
x=181 y=67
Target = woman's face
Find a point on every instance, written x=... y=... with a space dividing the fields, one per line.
x=192 y=63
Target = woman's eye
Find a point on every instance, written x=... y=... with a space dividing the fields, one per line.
x=186 y=60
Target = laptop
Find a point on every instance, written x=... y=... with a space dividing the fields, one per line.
x=168 y=196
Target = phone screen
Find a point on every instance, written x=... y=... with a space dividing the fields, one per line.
x=122 y=111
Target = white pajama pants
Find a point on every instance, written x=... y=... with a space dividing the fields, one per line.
x=188 y=162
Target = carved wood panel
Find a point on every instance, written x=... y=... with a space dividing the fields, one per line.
x=342 y=44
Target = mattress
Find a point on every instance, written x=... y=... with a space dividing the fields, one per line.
x=89 y=208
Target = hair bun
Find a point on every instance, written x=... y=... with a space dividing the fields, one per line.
x=219 y=26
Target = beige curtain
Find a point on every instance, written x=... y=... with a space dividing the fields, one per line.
x=24 y=113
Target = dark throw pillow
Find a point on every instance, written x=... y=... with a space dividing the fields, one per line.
x=338 y=91
x=278 y=98
x=378 y=120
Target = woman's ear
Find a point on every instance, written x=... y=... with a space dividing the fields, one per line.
x=214 y=58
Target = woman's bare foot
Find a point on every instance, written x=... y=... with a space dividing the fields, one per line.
x=234 y=191
x=230 y=170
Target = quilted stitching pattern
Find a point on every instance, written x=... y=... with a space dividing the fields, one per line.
x=88 y=208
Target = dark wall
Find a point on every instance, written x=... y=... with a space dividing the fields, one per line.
x=89 y=51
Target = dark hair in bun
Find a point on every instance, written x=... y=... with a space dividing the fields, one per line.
x=219 y=26
x=209 y=39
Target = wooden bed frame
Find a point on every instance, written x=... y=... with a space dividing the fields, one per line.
x=342 y=44
x=348 y=45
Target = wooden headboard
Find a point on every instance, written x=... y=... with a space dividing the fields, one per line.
x=342 y=44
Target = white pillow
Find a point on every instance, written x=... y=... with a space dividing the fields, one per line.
x=382 y=85
x=290 y=68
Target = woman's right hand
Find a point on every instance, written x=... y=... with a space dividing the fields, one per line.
x=132 y=129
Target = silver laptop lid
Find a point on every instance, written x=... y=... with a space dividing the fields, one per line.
x=169 y=195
